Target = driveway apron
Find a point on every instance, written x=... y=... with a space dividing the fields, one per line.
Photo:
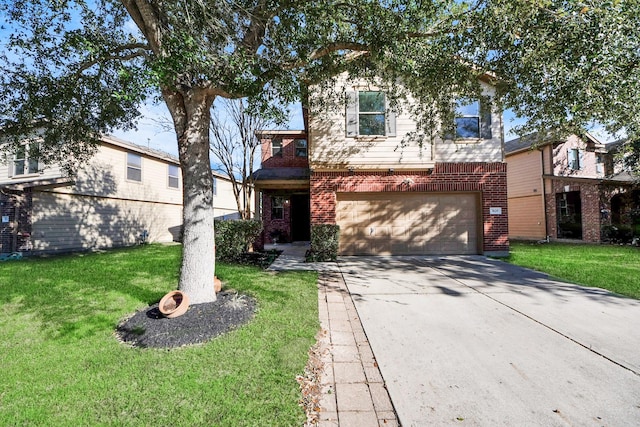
x=475 y=341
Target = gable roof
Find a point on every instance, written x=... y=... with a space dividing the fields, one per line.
x=527 y=142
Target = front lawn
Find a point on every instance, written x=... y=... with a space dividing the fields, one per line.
x=62 y=365
x=612 y=267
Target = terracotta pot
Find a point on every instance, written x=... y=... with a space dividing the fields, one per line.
x=174 y=304
x=217 y=284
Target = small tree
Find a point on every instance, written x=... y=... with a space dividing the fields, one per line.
x=234 y=143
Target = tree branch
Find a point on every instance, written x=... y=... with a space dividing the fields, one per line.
x=115 y=57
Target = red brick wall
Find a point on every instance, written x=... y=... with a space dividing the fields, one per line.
x=19 y=224
x=288 y=159
x=490 y=179
x=271 y=225
x=591 y=205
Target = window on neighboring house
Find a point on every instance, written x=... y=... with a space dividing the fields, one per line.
x=599 y=164
x=25 y=160
x=301 y=147
x=215 y=186
x=574 y=159
x=276 y=148
x=277 y=207
x=472 y=121
x=174 y=176
x=367 y=115
x=134 y=167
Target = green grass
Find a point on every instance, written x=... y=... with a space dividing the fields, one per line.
x=616 y=268
x=61 y=364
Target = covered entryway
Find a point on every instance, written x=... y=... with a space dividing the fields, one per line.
x=408 y=223
x=300 y=217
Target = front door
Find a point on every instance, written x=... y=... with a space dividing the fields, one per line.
x=300 y=217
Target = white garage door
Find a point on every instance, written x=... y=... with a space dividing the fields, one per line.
x=408 y=223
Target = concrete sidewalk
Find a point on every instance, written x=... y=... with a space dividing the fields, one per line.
x=353 y=390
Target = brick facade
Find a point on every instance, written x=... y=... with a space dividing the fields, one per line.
x=595 y=199
x=489 y=179
x=280 y=228
x=16 y=207
x=288 y=158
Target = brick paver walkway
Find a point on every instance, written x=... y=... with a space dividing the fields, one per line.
x=353 y=390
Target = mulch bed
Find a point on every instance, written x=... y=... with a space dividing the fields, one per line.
x=201 y=322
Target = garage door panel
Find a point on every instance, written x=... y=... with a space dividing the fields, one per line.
x=408 y=223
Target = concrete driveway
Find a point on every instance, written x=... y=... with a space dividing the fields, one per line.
x=474 y=341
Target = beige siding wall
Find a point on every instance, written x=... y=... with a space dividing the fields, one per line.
x=524 y=174
x=526 y=217
x=224 y=201
x=106 y=175
x=525 y=195
x=331 y=149
x=66 y=221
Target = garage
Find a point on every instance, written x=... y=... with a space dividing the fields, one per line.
x=408 y=223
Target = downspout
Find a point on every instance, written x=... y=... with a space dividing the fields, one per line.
x=544 y=195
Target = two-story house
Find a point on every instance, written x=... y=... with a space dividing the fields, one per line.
x=125 y=193
x=445 y=196
x=564 y=189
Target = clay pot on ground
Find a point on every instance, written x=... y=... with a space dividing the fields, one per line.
x=174 y=304
x=217 y=284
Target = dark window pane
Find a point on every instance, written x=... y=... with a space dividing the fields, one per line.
x=134 y=174
x=276 y=148
x=301 y=147
x=468 y=127
x=371 y=102
x=18 y=167
x=371 y=124
x=33 y=166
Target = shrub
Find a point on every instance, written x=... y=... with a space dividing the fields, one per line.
x=617 y=233
x=324 y=242
x=234 y=237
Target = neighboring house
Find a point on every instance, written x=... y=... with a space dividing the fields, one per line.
x=224 y=201
x=566 y=189
x=444 y=197
x=125 y=192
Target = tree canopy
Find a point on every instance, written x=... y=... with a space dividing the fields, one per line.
x=78 y=68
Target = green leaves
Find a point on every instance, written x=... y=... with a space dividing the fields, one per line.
x=562 y=64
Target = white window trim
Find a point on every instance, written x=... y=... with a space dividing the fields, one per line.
x=306 y=147
x=352 y=117
x=485 y=131
x=133 y=167
x=169 y=176
x=27 y=162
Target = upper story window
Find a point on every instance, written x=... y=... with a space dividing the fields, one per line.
x=573 y=158
x=276 y=148
x=25 y=160
x=301 y=147
x=368 y=115
x=215 y=186
x=174 y=176
x=468 y=119
x=134 y=167
x=599 y=164
x=371 y=113
x=472 y=121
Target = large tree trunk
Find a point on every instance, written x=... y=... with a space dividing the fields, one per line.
x=190 y=112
